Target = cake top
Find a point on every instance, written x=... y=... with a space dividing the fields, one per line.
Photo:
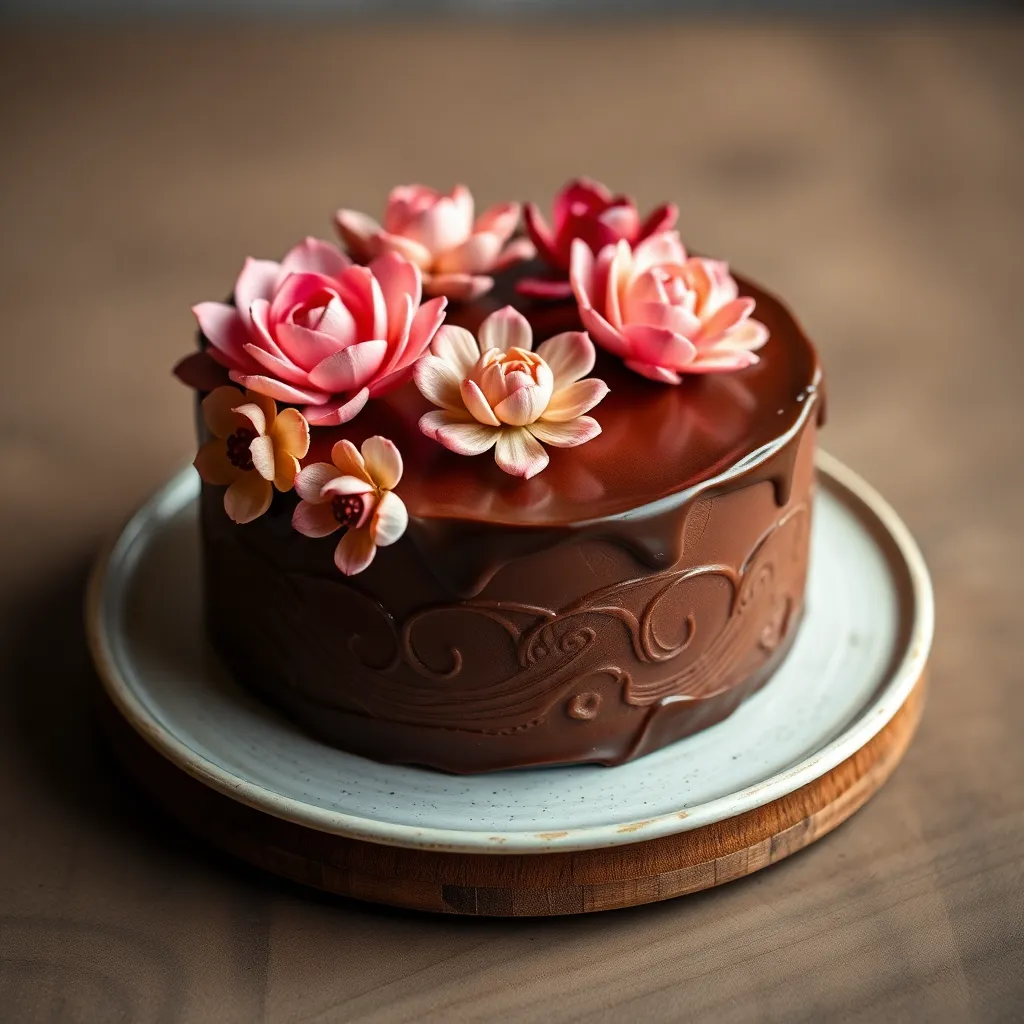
x=445 y=368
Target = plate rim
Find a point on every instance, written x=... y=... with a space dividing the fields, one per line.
x=906 y=669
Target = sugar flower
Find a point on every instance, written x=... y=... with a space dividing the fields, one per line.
x=664 y=313
x=317 y=331
x=500 y=394
x=438 y=233
x=354 y=492
x=586 y=210
x=254 y=449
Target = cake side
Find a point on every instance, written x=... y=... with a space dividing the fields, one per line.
x=576 y=653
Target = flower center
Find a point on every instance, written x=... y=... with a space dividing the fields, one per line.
x=238 y=448
x=348 y=509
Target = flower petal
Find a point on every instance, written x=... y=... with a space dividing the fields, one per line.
x=476 y=255
x=425 y=322
x=505 y=329
x=224 y=329
x=570 y=356
x=312 y=479
x=398 y=279
x=262 y=451
x=569 y=402
x=661 y=218
x=731 y=315
x=258 y=279
x=278 y=389
x=283 y=370
x=357 y=231
x=519 y=453
x=460 y=435
x=342 y=486
x=330 y=414
x=459 y=287
x=286 y=469
x=603 y=333
x=355 y=551
x=351 y=368
x=314 y=520
x=390 y=519
x=438 y=382
x=305 y=347
x=457 y=347
x=313 y=256
x=383 y=461
x=290 y=432
x=538 y=230
x=200 y=372
x=412 y=250
x=663 y=248
x=566 y=435
x=524 y=405
x=518 y=250
x=500 y=219
x=543 y=288
x=219 y=411
x=255 y=415
x=652 y=372
x=248 y=498
x=659 y=345
x=349 y=460
x=479 y=408
x=214 y=466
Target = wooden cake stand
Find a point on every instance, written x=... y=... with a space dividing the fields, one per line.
x=727 y=802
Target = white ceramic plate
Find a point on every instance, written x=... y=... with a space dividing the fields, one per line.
x=860 y=650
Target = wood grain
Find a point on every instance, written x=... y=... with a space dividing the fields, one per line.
x=524 y=885
x=870 y=173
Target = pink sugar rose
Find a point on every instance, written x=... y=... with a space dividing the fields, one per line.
x=662 y=312
x=586 y=210
x=438 y=233
x=318 y=331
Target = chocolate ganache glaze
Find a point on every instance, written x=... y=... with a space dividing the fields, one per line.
x=631 y=594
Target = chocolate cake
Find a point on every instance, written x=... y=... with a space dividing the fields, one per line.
x=632 y=590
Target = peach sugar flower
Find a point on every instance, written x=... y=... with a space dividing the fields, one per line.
x=354 y=492
x=500 y=394
x=664 y=313
x=438 y=233
x=254 y=449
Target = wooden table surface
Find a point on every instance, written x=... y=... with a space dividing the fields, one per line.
x=872 y=175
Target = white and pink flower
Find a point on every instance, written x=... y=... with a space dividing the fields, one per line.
x=354 y=492
x=456 y=253
x=498 y=393
x=664 y=313
x=318 y=331
x=586 y=210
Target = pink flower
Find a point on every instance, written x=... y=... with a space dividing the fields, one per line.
x=663 y=313
x=252 y=447
x=586 y=210
x=317 y=331
x=354 y=491
x=438 y=233
x=499 y=394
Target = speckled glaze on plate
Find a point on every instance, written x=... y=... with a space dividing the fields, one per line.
x=860 y=650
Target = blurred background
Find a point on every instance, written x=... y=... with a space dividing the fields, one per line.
x=861 y=157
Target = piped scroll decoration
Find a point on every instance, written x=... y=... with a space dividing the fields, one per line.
x=548 y=647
